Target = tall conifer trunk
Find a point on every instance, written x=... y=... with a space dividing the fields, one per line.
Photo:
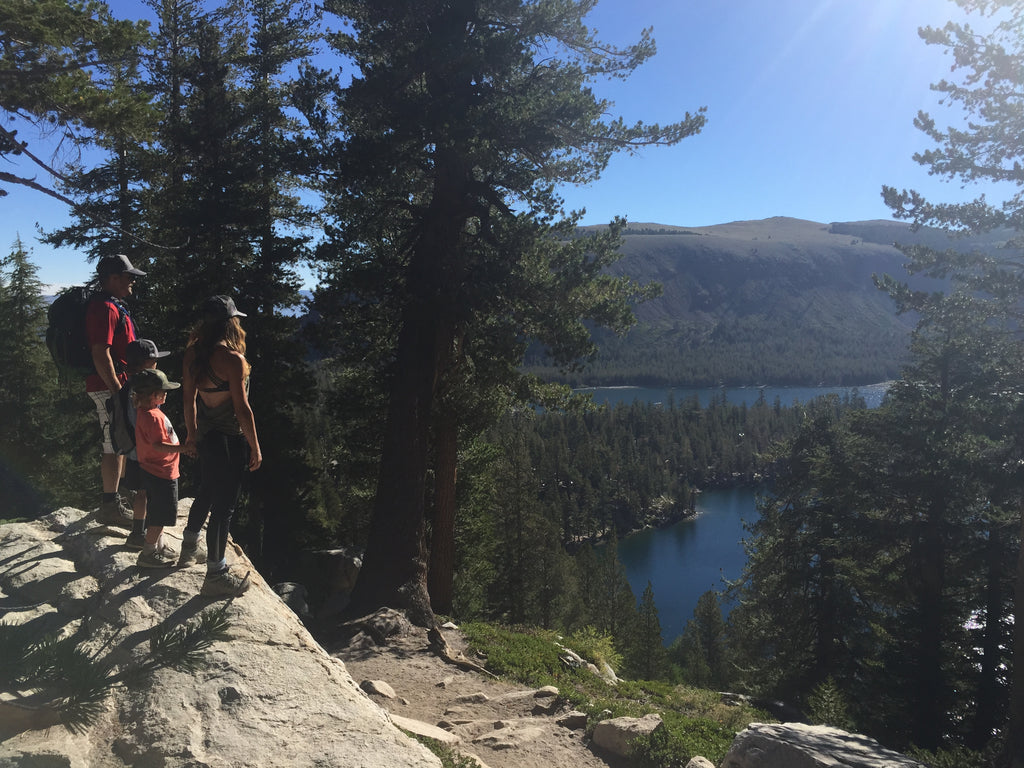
x=442 y=538
x=394 y=571
x=986 y=711
x=1013 y=748
x=931 y=715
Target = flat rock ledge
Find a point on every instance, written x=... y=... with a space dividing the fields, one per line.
x=268 y=696
x=795 y=745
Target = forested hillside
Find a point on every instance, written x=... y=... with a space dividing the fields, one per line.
x=778 y=301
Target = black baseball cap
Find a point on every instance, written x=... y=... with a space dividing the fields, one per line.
x=221 y=308
x=115 y=265
x=143 y=349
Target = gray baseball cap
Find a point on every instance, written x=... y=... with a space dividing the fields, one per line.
x=152 y=380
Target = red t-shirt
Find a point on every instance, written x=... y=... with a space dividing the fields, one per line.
x=103 y=326
x=153 y=426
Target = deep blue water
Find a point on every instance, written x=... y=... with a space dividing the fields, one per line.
x=872 y=394
x=685 y=560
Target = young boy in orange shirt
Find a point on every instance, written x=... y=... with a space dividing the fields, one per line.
x=140 y=354
x=158 y=448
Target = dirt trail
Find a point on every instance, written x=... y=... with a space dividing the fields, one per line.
x=502 y=725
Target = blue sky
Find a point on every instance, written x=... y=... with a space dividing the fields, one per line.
x=810 y=111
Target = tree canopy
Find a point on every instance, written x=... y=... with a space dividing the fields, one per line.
x=58 y=65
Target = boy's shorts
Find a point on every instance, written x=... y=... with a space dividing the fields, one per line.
x=132 y=479
x=161 y=499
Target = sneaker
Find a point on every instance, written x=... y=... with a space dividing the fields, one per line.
x=111 y=513
x=161 y=557
x=191 y=553
x=224 y=584
x=135 y=540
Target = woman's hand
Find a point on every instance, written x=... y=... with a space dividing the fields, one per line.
x=255 y=459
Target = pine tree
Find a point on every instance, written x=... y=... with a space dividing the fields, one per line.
x=37 y=438
x=57 y=63
x=609 y=602
x=700 y=651
x=109 y=208
x=451 y=125
x=644 y=656
x=987 y=286
x=800 y=612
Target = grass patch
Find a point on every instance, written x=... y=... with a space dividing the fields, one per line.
x=696 y=720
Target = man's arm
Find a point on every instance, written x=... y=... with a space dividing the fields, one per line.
x=104 y=365
x=100 y=326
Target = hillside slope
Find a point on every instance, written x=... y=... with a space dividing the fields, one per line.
x=778 y=301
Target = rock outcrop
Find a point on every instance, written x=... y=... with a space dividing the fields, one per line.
x=795 y=745
x=269 y=695
x=617 y=734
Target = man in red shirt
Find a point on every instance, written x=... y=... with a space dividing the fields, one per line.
x=110 y=329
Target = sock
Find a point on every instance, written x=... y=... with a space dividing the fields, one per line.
x=147 y=547
x=139 y=525
x=216 y=567
x=110 y=496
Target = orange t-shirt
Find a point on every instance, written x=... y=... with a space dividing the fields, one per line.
x=153 y=426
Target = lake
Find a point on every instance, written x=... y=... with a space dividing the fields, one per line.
x=685 y=560
x=872 y=394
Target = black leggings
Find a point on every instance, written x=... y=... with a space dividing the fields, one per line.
x=223 y=460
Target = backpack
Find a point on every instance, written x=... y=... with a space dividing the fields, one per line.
x=122 y=426
x=65 y=332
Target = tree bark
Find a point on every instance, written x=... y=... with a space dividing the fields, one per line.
x=442 y=537
x=986 y=711
x=930 y=715
x=394 y=571
x=1013 y=745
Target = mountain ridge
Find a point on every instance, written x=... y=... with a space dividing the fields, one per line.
x=771 y=301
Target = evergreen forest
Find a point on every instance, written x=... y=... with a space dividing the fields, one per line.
x=403 y=157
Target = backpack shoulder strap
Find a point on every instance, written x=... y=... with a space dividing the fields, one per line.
x=124 y=317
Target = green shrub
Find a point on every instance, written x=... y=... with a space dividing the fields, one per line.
x=594 y=647
x=827 y=706
x=681 y=740
x=449 y=757
x=954 y=757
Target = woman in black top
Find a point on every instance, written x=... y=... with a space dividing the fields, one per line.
x=221 y=430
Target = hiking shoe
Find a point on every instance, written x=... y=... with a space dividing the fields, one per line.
x=135 y=540
x=224 y=584
x=191 y=553
x=111 y=513
x=161 y=557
